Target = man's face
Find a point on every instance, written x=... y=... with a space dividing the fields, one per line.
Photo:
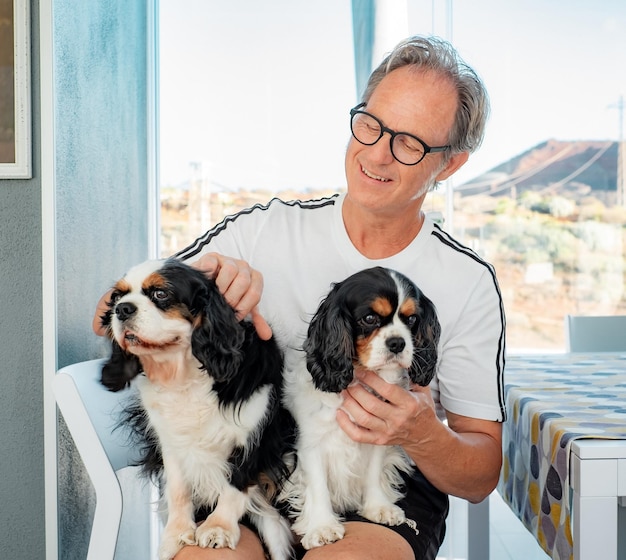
x=422 y=104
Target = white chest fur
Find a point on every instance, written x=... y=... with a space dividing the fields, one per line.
x=196 y=434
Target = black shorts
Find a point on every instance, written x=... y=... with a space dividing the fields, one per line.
x=426 y=509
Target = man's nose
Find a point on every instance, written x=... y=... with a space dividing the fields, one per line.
x=381 y=151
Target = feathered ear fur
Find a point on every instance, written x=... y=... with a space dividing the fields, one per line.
x=425 y=339
x=218 y=338
x=329 y=345
x=120 y=369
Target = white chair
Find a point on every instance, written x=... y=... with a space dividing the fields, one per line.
x=90 y=412
x=595 y=333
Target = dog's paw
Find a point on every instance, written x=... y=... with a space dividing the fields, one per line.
x=387 y=514
x=214 y=536
x=325 y=534
x=173 y=541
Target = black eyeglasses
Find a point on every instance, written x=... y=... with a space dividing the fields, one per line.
x=406 y=148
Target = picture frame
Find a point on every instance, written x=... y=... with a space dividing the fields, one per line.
x=15 y=90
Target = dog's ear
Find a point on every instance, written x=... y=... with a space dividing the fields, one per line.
x=217 y=339
x=329 y=345
x=120 y=369
x=425 y=340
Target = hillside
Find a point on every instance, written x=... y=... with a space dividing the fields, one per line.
x=577 y=168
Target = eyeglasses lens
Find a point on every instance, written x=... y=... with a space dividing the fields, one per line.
x=368 y=130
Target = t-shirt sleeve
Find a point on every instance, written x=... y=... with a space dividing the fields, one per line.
x=234 y=236
x=470 y=378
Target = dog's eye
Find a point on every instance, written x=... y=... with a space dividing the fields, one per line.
x=115 y=297
x=160 y=296
x=411 y=320
x=370 y=320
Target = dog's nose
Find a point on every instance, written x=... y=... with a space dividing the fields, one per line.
x=396 y=344
x=125 y=310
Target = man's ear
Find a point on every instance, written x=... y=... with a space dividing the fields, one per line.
x=454 y=163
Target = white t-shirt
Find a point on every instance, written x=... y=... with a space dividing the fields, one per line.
x=302 y=248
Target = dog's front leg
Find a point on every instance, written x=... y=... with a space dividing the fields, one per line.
x=317 y=523
x=221 y=528
x=180 y=528
x=378 y=493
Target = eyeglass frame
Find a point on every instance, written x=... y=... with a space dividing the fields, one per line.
x=392 y=135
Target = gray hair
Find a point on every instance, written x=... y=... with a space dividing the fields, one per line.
x=432 y=53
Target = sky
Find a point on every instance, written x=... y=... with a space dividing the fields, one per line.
x=260 y=92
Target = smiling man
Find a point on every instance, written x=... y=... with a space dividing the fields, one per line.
x=422 y=114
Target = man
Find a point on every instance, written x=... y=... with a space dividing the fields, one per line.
x=422 y=114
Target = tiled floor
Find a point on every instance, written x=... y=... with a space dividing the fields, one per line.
x=508 y=538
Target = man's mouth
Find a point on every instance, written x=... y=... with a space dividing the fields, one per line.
x=372 y=176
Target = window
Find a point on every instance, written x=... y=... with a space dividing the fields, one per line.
x=255 y=99
x=549 y=210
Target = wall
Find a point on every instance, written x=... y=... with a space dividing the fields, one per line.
x=21 y=388
x=95 y=165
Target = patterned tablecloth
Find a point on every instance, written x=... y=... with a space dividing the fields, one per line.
x=551 y=400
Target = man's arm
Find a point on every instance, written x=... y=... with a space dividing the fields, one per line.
x=471 y=457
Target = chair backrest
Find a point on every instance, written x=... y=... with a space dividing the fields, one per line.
x=91 y=414
x=595 y=333
x=78 y=386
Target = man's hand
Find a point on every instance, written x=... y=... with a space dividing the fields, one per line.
x=367 y=418
x=462 y=458
x=241 y=285
x=101 y=309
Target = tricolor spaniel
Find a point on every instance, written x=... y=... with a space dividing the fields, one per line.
x=379 y=320
x=208 y=416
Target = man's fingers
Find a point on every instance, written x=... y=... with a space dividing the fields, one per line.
x=101 y=309
x=235 y=280
x=241 y=286
x=209 y=264
x=238 y=288
x=260 y=324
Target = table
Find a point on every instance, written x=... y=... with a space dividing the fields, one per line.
x=564 y=445
x=599 y=484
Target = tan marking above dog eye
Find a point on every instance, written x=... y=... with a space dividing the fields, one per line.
x=154 y=280
x=409 y=307
x=122 y=286
x=382 y=306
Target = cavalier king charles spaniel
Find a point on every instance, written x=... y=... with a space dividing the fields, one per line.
x=208 y=416
x=379 y=320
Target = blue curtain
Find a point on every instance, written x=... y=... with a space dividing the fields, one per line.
x=363 y=26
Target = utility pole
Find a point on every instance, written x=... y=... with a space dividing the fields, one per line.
x=621 y=153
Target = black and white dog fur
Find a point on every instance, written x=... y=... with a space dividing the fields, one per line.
x=379 y=320
x=208 y=416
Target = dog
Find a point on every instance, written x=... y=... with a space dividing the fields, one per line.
x=379 y=320
x=209 y=417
